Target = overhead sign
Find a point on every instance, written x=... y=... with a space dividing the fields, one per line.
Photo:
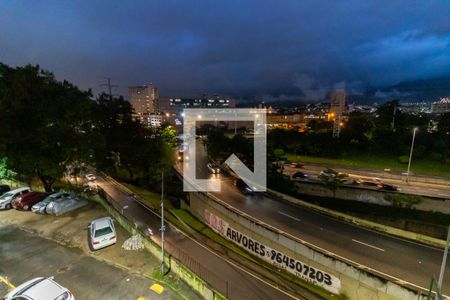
x=279 y=259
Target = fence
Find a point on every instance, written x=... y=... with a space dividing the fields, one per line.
x=217 y=281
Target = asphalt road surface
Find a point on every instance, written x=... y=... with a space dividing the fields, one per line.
x=24 y=256
x=413 y=187
x=408 y=261
x=228 y=278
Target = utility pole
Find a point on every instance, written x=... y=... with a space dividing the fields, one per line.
x=410 y=154
x=162 y=222
x=110 y=86
x=444 y=262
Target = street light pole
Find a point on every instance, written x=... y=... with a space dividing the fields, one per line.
x=410 y=154
x=162 y=222
x=444 y=262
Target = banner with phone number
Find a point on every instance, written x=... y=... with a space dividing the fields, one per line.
x=275 y=257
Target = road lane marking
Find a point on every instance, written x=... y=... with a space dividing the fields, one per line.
x=157 y=288
x=7 y=282
x=289 y=216
x=362 y=243
x=233 y=264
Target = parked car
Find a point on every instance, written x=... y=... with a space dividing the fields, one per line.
x=40 y=288
x=299 y=176
x=4 y=188
x=91 y=177
x=64 y=205
x=102 y=233
x=26 y=201
x=39 y=207
x=243 y=187
x=213 y=168
x=387 y=187
x=5 y=199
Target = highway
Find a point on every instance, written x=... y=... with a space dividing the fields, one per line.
x=411 y=262
x=416 y=187
x=223 y=274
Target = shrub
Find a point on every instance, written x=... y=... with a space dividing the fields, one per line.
x=436 y=156
x=404 y=200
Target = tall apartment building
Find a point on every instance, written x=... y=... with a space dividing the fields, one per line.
x=144 y=99
x=177 y=105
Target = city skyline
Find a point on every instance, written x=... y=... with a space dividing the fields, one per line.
x=187 y=49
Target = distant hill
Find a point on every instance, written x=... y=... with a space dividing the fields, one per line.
x=418 y=90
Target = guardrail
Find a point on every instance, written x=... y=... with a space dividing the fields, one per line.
x=421 y=291
x=224 y=287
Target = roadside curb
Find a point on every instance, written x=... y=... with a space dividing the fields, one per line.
x=396 y=232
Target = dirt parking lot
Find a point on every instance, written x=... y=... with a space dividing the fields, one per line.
x=41 y=245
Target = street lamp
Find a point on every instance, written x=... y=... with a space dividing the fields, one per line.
x=162 y=223
x=410 y=154
x=444 y=262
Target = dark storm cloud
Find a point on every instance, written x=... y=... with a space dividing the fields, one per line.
x=195 y=46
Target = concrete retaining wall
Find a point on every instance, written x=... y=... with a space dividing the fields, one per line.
x=343 y=193
x=369 y=196
x=175 y=266
x=362 y=222
x=355 y=283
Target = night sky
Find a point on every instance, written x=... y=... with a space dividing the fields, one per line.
x=262 y=47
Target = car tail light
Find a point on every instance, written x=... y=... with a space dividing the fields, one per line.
x=113 y=237
x=96 y=242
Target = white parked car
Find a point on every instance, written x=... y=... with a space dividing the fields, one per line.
x=6 y=198
x=102 y=233
x=40 y=288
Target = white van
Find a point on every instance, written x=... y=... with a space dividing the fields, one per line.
x=5 y=199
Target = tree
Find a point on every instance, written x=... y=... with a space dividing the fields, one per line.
x=217 y=143
x=122 y=143
x=5 y=173
x=332 y=180
x=278 y=154
x=359 y=129
x=444 y=124
x=43 y=122
x=169 y=135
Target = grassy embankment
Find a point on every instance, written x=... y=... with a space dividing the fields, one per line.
x=374 y=162
x=183 y=219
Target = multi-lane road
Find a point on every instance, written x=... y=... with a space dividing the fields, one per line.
x=438 y=189
x=225 y=275
x=405 y=260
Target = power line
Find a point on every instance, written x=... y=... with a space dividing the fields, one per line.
x=110 y=86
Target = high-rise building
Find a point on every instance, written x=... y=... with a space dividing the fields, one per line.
x=177 y=105
x=144 y=99
x=338 y=107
